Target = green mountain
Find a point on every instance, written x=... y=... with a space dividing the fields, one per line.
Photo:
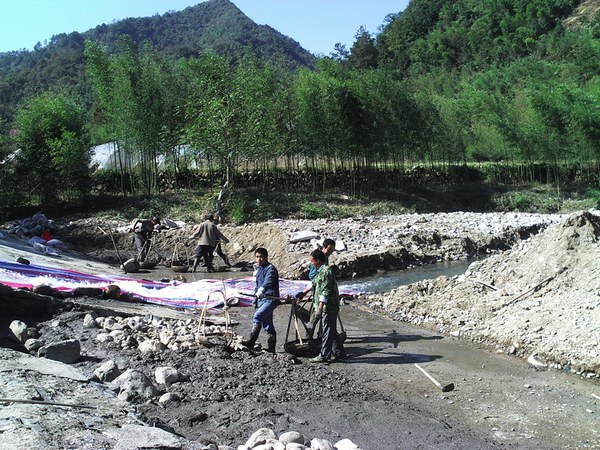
x=434 y=35
x=214 y=24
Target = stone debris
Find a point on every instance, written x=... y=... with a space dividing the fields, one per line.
x=145 y=366
x=544 y=305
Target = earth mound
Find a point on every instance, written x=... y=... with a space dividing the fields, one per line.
x=538 y=300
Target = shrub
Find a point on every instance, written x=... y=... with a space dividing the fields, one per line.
x=594 y=195
x=312 y=211
x=520 y=202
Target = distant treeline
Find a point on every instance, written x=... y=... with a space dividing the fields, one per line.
x=445 y=85
x=359 y=182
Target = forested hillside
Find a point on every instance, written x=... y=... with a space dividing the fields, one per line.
x=215 y=24
x=468 y=90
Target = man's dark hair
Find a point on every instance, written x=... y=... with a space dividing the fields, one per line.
x=210 y=217
x=262 y=251
x=327 y=242
x=318 y=255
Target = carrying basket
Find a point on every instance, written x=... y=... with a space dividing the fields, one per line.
x=177 y=263
x=298 y=346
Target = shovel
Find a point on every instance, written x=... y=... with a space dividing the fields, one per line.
x=115 y=246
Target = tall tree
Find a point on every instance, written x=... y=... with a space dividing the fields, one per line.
x=54 y=158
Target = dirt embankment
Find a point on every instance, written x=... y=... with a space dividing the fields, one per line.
x=370 y=244
x=539 y=300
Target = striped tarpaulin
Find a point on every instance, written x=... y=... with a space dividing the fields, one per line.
x=197 y=294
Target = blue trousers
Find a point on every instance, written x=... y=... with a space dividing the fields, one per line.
x=264 y=315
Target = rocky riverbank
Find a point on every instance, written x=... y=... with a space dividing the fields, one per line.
x=165 y=383
x=539 y=300
x=368 y=244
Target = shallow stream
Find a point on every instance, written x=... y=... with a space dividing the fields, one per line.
x=393 y=279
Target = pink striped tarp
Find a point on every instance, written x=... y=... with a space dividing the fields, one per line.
x=197 y=294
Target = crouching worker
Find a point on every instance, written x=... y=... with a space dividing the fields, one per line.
x=266 y=300
x=327 y=309
x=143 y=230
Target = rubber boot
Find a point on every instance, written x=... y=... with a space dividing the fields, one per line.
x=253 y=337
x=271 y=342
x=209 y=265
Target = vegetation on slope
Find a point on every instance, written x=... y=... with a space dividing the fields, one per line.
x=471 y=90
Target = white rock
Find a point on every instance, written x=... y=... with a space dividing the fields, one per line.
x=109 y=323
x=292 y=437
x=150 y=346
x=534 y=362
x=104 y=337
x=166 y=375
x=137 y=323
x=19 y=330
x=168 y=397
x=107 y=371
x=33 y=344
x=260 y=437
x=295 y=446
x=305 y=235
x=89 y=321
x=321 y=444
x=346 y=444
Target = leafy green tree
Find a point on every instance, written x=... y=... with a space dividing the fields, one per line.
x=363 y=54
x=138 y=94
x=54 y=157
x=214 y=114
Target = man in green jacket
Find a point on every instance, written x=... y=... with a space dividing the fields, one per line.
x=327 y=308
x=327 y=249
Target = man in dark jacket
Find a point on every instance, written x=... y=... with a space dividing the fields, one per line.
x=266 y=300
x=143 y=229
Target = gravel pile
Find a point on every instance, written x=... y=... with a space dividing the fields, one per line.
x=539 y=300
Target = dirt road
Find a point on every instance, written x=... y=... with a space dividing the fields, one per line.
x=499 y=397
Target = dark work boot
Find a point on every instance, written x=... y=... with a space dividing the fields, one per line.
x=253 y=337
x=271 y=341
x=209 y=264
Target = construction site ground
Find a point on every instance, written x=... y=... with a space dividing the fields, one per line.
x=376 y=397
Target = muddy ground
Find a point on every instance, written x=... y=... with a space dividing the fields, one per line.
x=376 y=397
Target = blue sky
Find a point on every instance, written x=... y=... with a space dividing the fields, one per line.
x=316 y=24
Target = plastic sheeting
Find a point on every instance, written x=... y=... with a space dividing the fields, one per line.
x=197 y=294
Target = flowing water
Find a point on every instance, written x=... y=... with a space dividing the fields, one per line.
x=393 y=279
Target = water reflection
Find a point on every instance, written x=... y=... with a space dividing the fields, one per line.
x=390 y=280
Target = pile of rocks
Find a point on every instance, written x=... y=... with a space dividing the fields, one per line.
x=121 y=373
x=539 y=300
x=388 y=242
x=266 y=439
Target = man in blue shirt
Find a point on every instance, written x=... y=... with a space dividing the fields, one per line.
x=266 y=299
x=327 y=249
